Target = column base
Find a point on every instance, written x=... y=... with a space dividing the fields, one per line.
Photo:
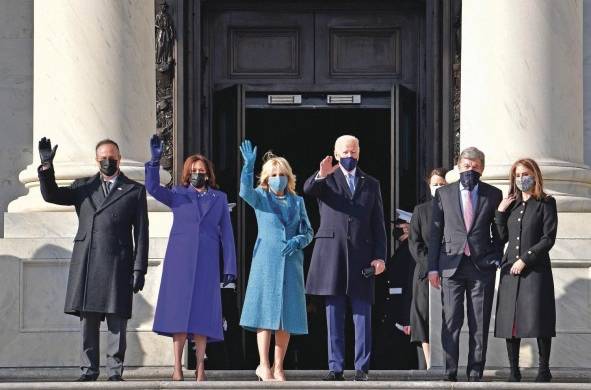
x=65 y=174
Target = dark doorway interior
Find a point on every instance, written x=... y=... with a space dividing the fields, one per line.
x=386 y=127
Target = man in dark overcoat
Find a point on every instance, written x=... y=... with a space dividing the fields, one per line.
x=351 y=238
x=464 y=252
x=110 y=255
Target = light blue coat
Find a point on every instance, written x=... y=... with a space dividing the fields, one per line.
x=275 y=295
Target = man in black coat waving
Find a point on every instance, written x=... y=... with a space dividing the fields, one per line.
x=351 y=238
x=110 y=255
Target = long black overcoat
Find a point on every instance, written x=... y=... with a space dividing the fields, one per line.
x=352 y=233
x=111 y=241
x=418 y=243
x=527 y=300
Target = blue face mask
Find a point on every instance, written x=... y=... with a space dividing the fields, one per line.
x=277 y=183
x=349 y=163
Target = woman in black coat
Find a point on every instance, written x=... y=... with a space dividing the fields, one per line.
x=418 y=240
x=527 y=219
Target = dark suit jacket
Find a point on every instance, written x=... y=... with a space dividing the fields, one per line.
x=449 y=235
x=418 y=240
x=350 y=236
x=104 y=255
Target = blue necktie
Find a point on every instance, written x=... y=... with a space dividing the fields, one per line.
x=351 y=181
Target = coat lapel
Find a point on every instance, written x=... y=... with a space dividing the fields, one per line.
x=95 y=191
x=458 y=202
x=360 y=176
x=341 y=182
x=208 y=205
x=120 y=188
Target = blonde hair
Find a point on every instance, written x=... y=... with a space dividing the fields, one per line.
x=271 y=161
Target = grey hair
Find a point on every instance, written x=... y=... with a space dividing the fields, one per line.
x=472 y=153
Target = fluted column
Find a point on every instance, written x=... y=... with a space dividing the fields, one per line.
x=522 y=91
x=93 y=79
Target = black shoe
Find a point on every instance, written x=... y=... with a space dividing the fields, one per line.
x=450 y=378
x=334 y=376
x=514 y=376
x=474 y=378
x=115 y=378
x=360 y=376
x=544 y=376
x=86 y=378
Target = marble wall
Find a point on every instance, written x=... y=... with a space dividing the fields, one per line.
x=16 y=97
x=587 y=78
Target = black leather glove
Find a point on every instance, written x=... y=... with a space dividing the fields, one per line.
x=138 y=281
x=46 y=153
x=228 y=278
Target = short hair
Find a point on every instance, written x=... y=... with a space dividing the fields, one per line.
x=529 y=163
x=440 y=171
x=107 y=141
x=188 y=166
x=472 y=153
x=271 y=161
x=344 y=138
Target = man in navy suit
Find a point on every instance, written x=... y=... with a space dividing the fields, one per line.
x=464 y=250
x=351 y=238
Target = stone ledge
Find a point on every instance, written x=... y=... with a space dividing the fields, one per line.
x=158 y=377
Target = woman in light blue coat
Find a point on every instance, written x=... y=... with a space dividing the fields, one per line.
x=275 y=300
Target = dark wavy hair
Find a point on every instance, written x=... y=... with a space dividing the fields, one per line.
x=186 y=177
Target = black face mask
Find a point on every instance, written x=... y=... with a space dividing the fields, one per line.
x=108 y=167
x=469 y=179
x=198 y=179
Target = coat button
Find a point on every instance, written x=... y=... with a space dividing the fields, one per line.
x=517 y=247
x=350 y=219
x=348 y=237
x=518 y=219
x=517 y=257
x=518 y=238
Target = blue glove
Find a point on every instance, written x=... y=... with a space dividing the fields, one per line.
x=291 y=247
x=249 y=155
x=228 y=278
x=156 y=147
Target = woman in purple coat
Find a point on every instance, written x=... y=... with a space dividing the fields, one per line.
x=189 y=301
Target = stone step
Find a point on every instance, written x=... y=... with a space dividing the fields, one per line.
x=158 y=378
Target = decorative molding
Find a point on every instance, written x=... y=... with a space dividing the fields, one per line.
x=279 y=47
x=456 y=78
x=344 y=52
x=165 y=73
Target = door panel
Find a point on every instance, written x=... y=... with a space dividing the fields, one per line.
x=361 y=46
x=271 y=46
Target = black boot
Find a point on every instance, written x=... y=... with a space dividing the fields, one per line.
x=513 y=354
x=544 y=344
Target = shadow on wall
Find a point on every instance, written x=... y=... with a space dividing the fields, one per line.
x=573 y=325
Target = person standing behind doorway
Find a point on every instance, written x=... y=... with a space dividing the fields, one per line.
x=351 y=238
x=528 y=220
x=463 y=258
x=189 y=301
x=275 y=301
x=420 y=225
x=110 y=255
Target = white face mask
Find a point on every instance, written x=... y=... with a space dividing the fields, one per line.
x=434 y=188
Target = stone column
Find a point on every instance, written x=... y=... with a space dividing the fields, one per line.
x=93 y=79
x=522 y=91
